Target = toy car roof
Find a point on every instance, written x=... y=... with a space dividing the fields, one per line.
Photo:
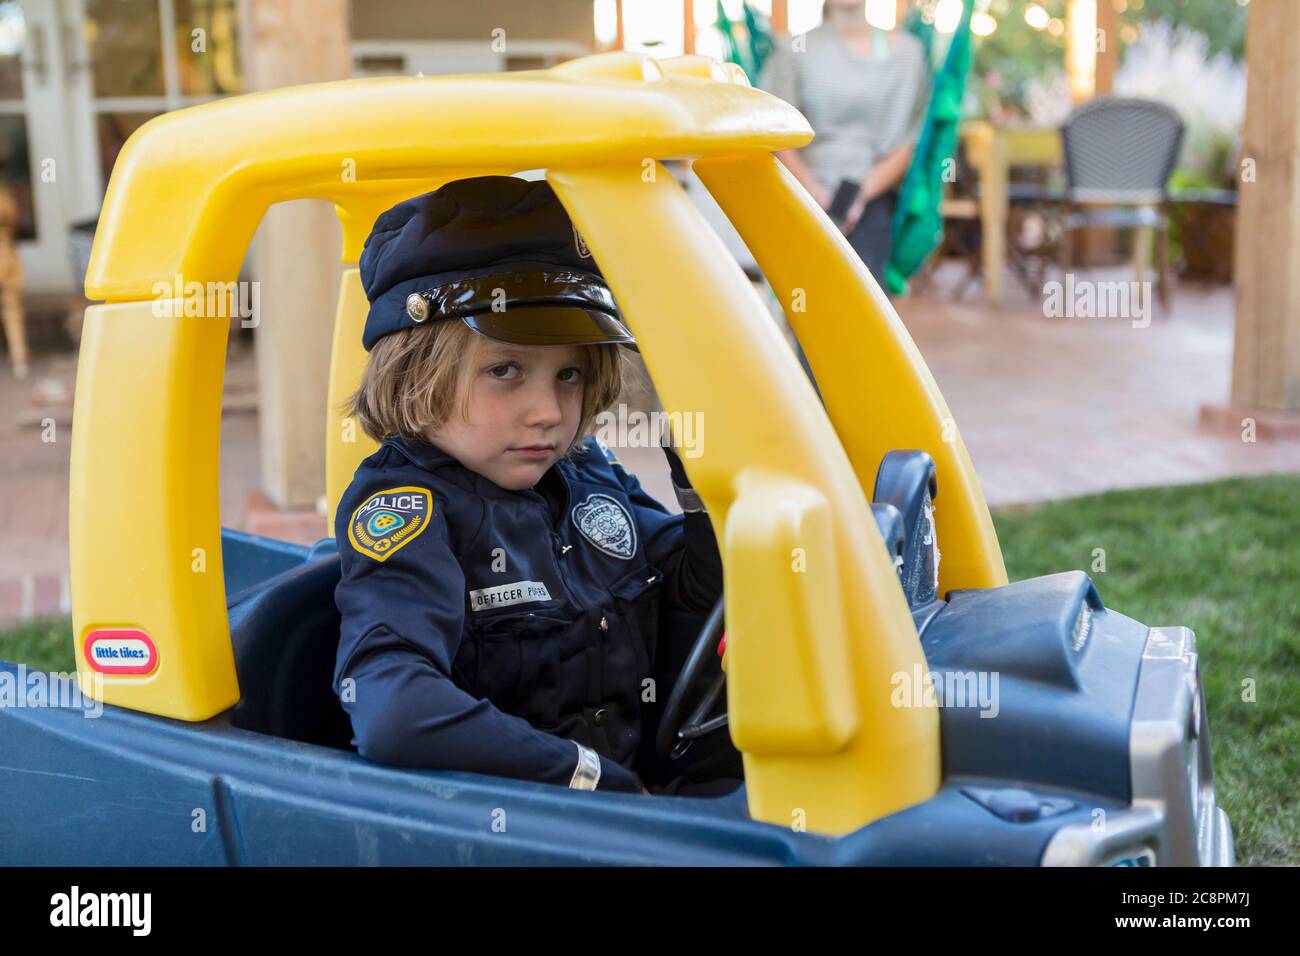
x=366 y=144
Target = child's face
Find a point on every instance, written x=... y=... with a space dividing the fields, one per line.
x=524 y=405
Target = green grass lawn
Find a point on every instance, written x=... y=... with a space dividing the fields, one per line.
x=1222 y=558
x=43 y=644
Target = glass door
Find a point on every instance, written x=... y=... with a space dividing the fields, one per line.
x=35 y=166
x=146 y=57
x=77 y=77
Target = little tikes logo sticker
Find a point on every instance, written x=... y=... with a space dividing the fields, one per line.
x=120 y=651
x=389 y=520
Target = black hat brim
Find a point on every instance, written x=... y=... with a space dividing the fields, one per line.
x=550 y=325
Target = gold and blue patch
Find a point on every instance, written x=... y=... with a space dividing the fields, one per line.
x=389 y=520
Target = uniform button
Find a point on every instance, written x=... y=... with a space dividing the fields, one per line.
x=600 y=716
x=604 y=624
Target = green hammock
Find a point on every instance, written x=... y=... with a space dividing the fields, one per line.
x=751 y=49
x=918 y=222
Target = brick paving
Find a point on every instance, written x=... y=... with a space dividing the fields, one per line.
x=1053 y=408
x=1049 y=408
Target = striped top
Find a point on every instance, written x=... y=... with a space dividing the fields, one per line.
x=860 y=109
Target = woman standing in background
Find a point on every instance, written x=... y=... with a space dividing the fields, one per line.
x=864 y=91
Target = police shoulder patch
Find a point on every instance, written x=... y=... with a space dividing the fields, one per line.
x=605 y=523
x=389 y=520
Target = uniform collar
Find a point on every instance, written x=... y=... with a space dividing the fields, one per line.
x=421 y=453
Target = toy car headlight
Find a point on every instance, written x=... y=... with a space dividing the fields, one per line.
x=1173 y=818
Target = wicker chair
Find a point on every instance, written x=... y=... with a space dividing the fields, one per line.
x=1119 y=153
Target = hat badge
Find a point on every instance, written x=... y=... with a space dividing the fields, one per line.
x=417 y=307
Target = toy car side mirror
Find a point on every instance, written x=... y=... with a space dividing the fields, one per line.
x=906 y=480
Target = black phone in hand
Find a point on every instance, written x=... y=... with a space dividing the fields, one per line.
x=845 y=194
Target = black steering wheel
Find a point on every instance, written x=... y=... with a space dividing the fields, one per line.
x=680 y=726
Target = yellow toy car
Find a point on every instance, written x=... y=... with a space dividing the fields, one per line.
x=891 y=697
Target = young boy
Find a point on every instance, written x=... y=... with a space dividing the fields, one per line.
x=502 y=574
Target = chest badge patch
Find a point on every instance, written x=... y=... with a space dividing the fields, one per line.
x=389 y=520
x=606 y=524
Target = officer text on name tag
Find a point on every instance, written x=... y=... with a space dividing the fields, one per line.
x=521 y=592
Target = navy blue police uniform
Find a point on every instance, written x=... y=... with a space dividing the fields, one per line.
x=484 y=629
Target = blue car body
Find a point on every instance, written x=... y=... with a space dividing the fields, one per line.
x=1071 y=734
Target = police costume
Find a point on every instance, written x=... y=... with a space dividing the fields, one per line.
x=489 y=630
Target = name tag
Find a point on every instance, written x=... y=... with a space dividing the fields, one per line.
x=503 y=595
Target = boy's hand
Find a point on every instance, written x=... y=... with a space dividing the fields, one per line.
x=687 y=498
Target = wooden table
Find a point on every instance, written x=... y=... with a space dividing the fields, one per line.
x=992 y=151
x=11 y=284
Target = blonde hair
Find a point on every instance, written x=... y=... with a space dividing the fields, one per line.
x=414 y=375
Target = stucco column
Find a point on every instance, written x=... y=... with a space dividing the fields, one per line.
x=295 y=256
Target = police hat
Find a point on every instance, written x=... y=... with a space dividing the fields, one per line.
x=497 y=252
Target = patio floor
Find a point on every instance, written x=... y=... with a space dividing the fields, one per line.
x=1054 y=408
x=1049 y=408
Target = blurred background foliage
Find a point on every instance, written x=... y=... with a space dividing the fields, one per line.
x=1189 y=54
